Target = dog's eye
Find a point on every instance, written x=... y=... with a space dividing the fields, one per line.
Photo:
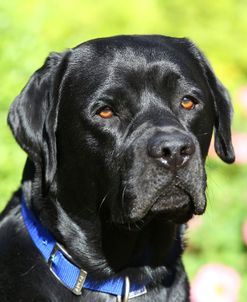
x=106 y=112
x=188 y=103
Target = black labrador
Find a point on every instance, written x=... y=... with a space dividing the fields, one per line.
x=117 y=131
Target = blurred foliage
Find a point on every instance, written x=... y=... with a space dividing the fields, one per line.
x=218 y=237
x=30 y=29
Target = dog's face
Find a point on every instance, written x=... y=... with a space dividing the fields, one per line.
x=125 y=123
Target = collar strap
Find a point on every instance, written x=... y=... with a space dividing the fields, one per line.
x=63 y=268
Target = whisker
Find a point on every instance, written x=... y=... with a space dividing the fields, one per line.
x=101 y=204
x=201 y=134
x=137 y=225
x=122 y=199
x=129 y=226
x=28 y=271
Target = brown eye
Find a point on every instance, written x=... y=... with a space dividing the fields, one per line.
x=106 y=113
x=187 y=103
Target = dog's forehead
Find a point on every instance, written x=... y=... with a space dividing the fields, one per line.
x=132 y=51
x=133 y=60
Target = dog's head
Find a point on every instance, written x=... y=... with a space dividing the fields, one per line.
x=125 y=124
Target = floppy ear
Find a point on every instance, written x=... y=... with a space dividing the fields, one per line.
x=222 y=141
x=223 y=108
x=33 y=115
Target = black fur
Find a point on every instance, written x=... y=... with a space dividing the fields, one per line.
x=111 y=189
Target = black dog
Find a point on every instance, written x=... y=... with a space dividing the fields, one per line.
x=116 y=131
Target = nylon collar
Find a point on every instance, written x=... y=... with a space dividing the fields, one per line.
x=62 y=266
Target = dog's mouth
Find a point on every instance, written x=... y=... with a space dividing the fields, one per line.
x=174 y=205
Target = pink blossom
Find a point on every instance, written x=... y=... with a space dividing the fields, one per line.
x=245 y=232
x=239 y=141
x=215 y=283
x=242 y=98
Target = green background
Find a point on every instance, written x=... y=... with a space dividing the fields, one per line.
x=30 y=29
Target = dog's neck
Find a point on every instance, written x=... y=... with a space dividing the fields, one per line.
x=146 y=247
x=103 y=249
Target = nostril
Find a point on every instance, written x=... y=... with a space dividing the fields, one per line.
x=166 y=152
x=187 y=150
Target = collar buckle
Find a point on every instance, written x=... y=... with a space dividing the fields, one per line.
x=82 y=274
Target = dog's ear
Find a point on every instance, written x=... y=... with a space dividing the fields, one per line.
x=33 y=115
x=222 y=137
x=223 y=107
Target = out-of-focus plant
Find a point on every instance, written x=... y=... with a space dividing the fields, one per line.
x=218 y=235
x=245 y=232
x=242 y=98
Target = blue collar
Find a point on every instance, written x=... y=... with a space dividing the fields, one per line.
x=62 y=267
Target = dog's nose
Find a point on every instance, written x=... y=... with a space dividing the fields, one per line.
x=172 y=150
